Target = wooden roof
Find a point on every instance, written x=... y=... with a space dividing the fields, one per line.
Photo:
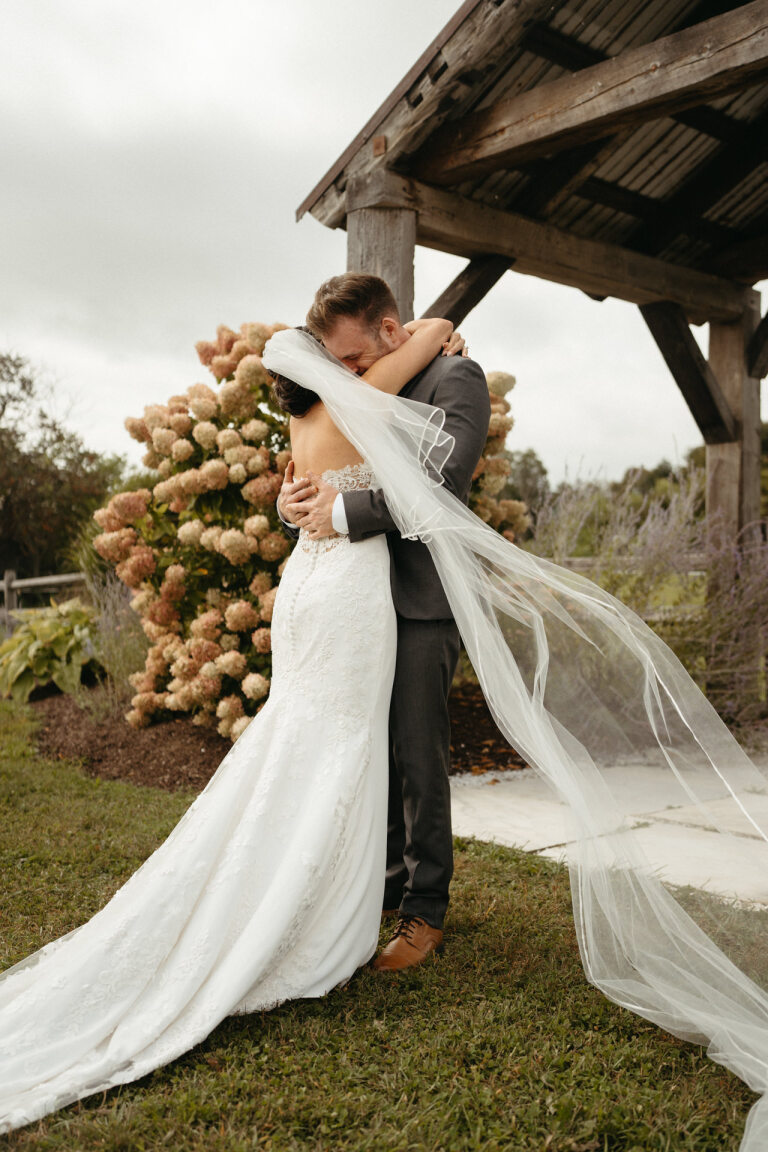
x=610 y=144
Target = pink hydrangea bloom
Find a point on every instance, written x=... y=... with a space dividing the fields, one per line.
x=156 y=416
x=215 y=474
x=181 y=422
x=283 y=459
x=256 y=334
x=229 y=708
x=181 y=450
x=236 y=400
x=251 y=372
x=255 y=686
x=226 y=339
x=137 y=429
x=257 y=526
x=206 y=350
x=131 y=506
x=205 y=433
x=233 y=544
x=267 y=604
x=240 y=616
x=261 y=583
x=139 y=565
x=231 y=664
x=163 y=440
x=209 y=537
x=228 y=438
x=255 y=430
x=115 y=546
x=237 y=474
x=263 y=490
x=208 y=625
x=262 y=640
x=273 y=547
x=107 y=519
x=189 y=532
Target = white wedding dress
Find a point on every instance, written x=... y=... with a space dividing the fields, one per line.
x=269 y=888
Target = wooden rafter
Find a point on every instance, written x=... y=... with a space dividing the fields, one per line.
x=721 y=55
x=466 y=227
x=468 y=288
x=704 y=187
x=691 y=371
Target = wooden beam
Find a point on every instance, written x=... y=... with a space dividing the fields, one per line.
x=381 y=241
x=468 y=228
x=647 y=208
x=746 y=259
x=568 y=52
x=757 y=350
x=691 y=372
x=722 y=55
x=470 y=286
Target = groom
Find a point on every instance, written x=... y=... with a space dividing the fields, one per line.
x=357 y=319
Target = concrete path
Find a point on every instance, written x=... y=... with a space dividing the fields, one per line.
x=520 y=810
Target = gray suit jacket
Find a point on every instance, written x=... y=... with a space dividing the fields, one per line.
x=458 y=386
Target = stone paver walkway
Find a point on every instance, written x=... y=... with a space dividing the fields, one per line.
x=519 y=809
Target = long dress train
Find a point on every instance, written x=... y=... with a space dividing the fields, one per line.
x=270 y=886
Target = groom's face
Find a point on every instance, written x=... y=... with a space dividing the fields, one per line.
x=358 y=345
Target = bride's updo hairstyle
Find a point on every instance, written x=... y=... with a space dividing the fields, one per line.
x=355 y=294
x=291 y=397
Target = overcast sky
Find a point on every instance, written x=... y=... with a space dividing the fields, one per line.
x=154 y=154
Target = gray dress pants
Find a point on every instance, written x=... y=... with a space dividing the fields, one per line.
x=419 y=839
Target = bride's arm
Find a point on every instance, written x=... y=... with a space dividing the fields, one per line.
x=395 y=369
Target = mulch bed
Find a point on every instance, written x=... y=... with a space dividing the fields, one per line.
x=178 y=754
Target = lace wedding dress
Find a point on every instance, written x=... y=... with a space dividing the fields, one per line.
x=270 y=886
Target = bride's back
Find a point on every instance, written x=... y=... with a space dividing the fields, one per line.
x=317 y=444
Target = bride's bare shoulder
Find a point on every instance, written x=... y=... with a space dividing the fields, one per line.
x=317 y=444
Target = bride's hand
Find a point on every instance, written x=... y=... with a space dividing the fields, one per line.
x=455 y=343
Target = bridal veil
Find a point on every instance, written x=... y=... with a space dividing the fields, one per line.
x=579 y=684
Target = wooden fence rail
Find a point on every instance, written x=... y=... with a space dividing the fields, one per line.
x=13 y=587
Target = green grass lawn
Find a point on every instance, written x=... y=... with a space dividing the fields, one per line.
x=499 y=1044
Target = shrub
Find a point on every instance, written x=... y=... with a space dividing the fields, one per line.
x=50 y=644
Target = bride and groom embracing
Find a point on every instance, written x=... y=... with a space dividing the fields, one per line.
x=272 y=884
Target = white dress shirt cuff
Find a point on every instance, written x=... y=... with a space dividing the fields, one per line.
x=339 y=516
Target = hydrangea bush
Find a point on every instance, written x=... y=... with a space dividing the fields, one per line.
x=203 y=550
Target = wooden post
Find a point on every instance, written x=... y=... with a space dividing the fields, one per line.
x=733 y=470
x=382 y=241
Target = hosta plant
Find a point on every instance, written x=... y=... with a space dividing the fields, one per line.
x=50 y=644
x=203 y=549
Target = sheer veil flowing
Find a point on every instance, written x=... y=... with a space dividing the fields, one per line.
x=579 y=684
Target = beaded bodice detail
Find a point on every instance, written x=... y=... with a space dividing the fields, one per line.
x=350 y=478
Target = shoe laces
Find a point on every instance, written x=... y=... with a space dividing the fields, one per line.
x=406 y=926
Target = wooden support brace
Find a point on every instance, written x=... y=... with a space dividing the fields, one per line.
x=469 y=288
x=691 y=372
x=757 y=350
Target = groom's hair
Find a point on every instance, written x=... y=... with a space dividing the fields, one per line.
x=356 y=294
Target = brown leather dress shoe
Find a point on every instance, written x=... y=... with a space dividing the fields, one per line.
x=412 y=942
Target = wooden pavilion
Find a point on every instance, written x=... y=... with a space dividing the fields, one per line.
x=618 y=146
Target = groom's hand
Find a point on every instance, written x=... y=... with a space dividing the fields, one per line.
x=315 y=513
x=292 y=493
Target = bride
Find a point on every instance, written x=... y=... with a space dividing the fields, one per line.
x=270 y=887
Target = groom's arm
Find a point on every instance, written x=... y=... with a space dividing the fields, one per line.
x=462 y=393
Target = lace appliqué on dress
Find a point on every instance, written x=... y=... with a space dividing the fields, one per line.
x=350 y=478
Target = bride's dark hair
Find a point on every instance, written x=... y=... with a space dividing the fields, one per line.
x=291 y=397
